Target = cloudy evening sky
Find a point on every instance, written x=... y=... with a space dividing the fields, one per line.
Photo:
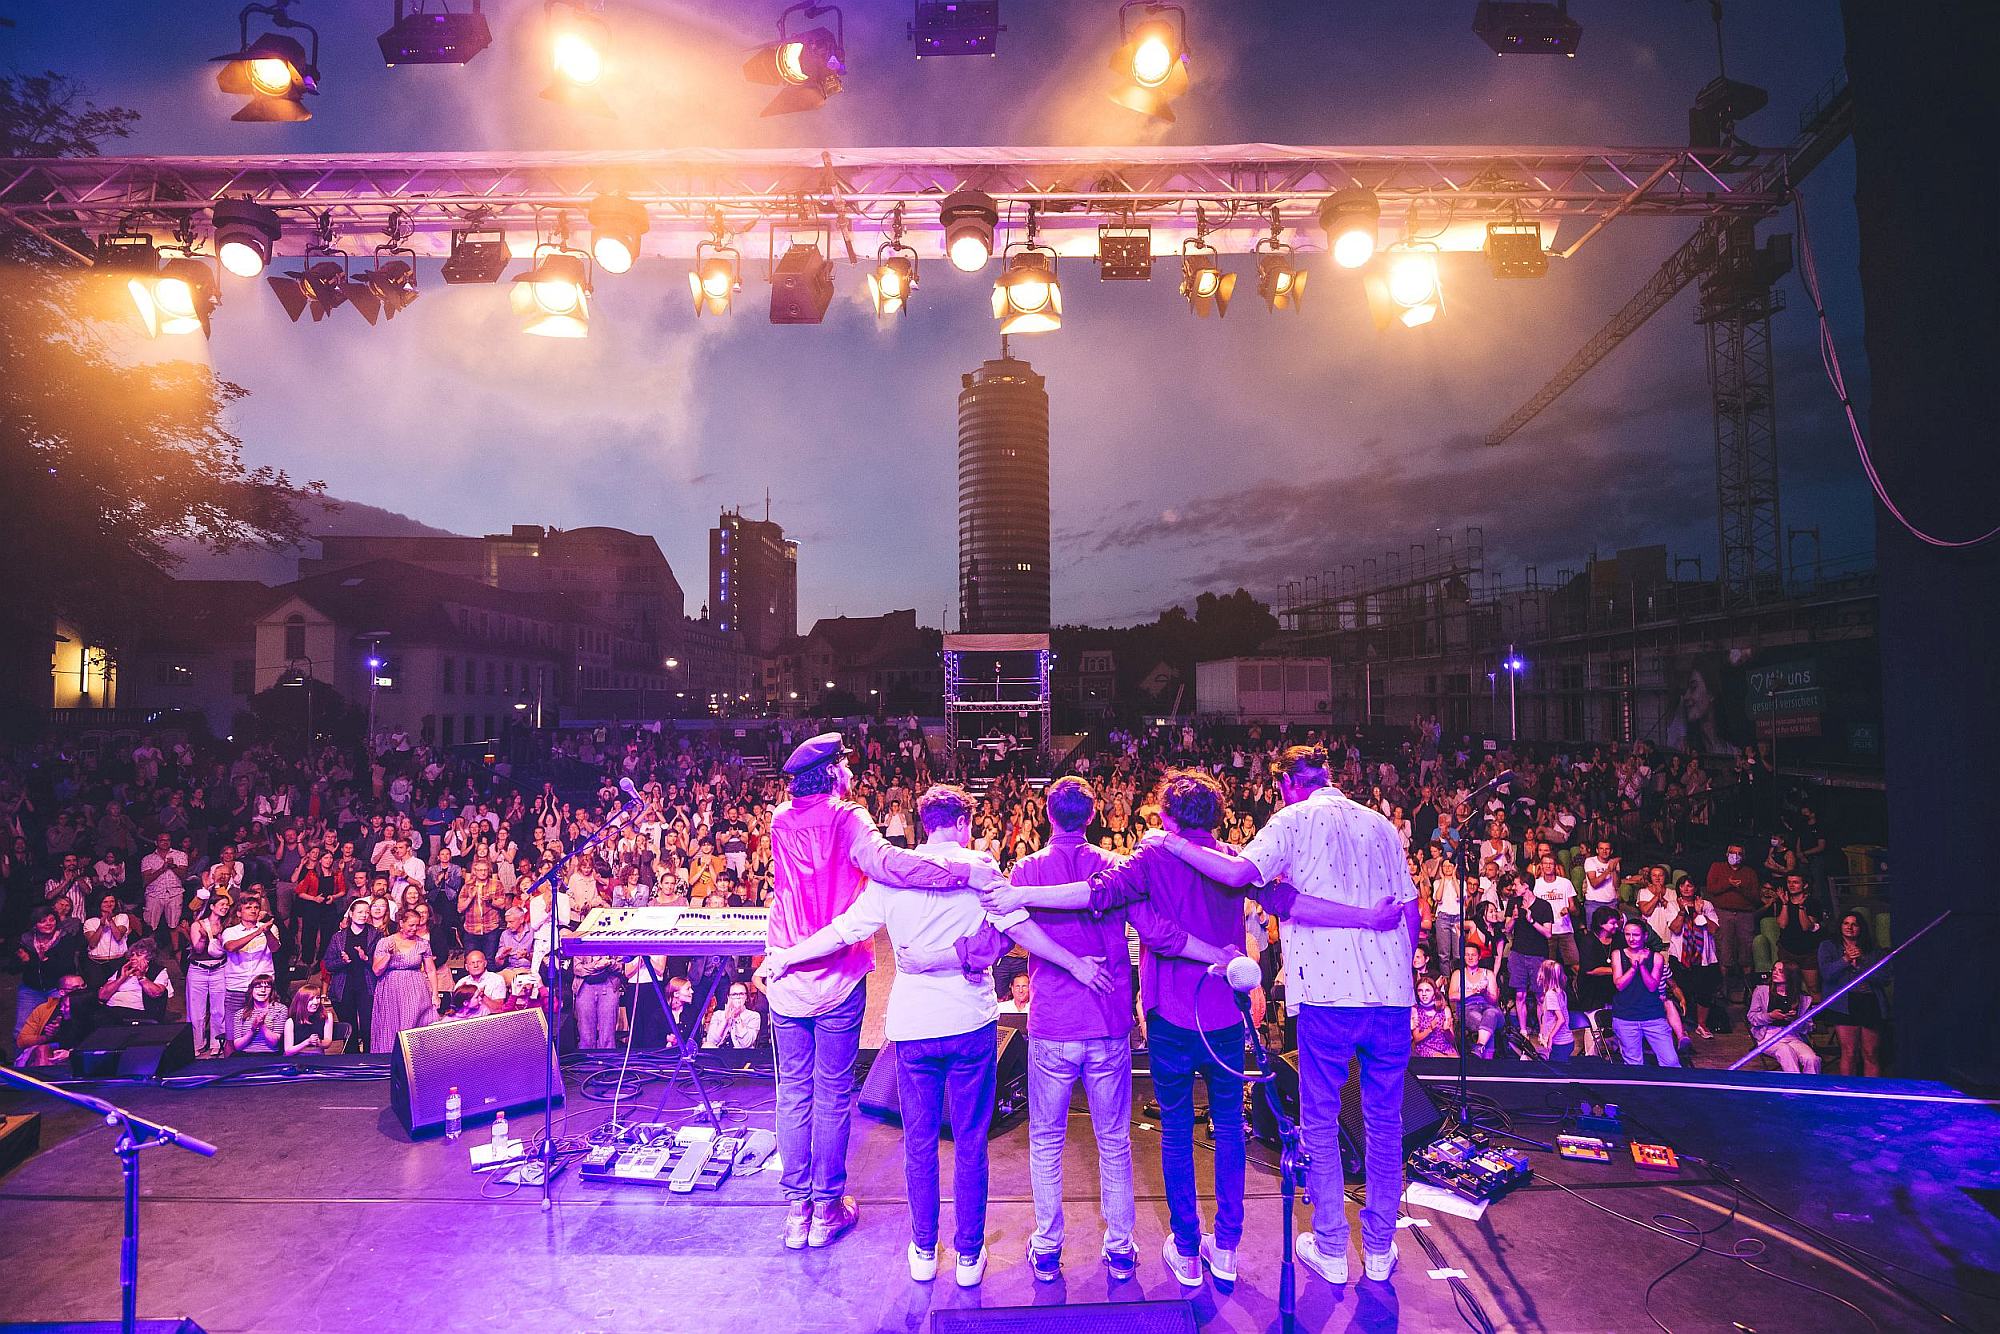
x=1187 y=455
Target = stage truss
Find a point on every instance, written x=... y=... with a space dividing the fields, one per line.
x=1443 y=195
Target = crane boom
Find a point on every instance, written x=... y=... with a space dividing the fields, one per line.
x=1825 y=127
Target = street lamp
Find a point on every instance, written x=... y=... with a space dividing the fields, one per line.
x=1515 y=665
x=376 y=662
x=293 y=677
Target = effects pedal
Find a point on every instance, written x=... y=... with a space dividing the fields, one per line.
x=641 y=1164
x=687 y=1172
x=1655 y=1157
x=1583 y=1148
x=598 y=1162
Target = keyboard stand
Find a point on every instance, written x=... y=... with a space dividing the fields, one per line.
x=684 y=1061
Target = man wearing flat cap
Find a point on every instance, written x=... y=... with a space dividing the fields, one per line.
x=824 y=849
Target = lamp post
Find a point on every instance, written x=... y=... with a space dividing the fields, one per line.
x=293 y=677
x=1515 y=665
x=373 y=638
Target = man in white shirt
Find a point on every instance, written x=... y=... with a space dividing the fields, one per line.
x=1554 y=888
x=1351 y=922
x=160 y=872
x=139 y=989
x=943 y=1025
x=1600 y=875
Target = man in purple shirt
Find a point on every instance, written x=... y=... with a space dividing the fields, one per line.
x=1193 y=1024
x=1076 y=1034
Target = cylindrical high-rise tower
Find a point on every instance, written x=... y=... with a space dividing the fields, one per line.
x=1003 y=499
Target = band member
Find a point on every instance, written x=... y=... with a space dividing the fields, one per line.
x=1193 y=1025
x=824 y=847
x=1350 y=924
x=943 y=1026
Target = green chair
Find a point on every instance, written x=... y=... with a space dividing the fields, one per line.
x=1566 y=858
x=1679 y=876
x=1764 y=946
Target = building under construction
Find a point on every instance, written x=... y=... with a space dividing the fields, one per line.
x=1633 y=647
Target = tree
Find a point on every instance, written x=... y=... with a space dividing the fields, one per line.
x=102 y=460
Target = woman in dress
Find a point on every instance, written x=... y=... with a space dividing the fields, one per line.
x=350 y=969
x=405 y=983
x=1430 y=1022
x=1858 y=1017
x=309 y=1024
x=1543 y=1013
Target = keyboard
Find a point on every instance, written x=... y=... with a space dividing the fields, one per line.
x=669 y=930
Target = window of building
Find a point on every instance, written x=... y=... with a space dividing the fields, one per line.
x=243 y=676
x=173 y=675
x=450 y=730
x=448 y=684
x=489 y=678
x=295 y=636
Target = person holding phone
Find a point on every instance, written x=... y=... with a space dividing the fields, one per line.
x=1775 y=1004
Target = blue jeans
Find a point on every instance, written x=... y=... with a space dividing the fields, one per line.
x=1329 y=1037
x=1104 y=1067
x=816 y=1096
x=1635 y=1035
x=1177 y=1055
x=935 y=1076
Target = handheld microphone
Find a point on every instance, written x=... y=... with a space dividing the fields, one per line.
x=629 y=788
x=1242 y=975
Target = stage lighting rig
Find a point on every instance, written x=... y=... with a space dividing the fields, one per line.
x=1413 y=283
x=1717 y=107
x=895 y=275
x=178 y=299
x=553 y=296
x=1514 y=250
x=1205 y=286
x=127 y=252
x=616 y=224
x=801 y=280
x=275 y=72
x=1514 y=28
x=1028 y=296
x=246 y=234
x=969 y=218
x=804 y=65
x=423 y=36
x=1151 y=60
x=578 y=43
x=479 y=254
x=1281 y=275
x=717 y=275
x=1124 y=252
x=1351 y=219
x=385 y=290
x=321 y=287
x=956 y=28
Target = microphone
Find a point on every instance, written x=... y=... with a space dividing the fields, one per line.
x=1241 y=973
x=629 y=788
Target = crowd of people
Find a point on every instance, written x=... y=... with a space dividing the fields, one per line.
x=1597 y=903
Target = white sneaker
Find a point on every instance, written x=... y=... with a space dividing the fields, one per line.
x=923 y=1264
x=1332 y=1268
x=1186 y=1270
x=1220 y=1263
x=971 y=1269
x=1379 y=1267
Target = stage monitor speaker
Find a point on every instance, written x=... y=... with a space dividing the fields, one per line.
x=133 y=1051
x=1085 y=1318
x=1421 y=1119
x=881 y=1097
x=498 y=1063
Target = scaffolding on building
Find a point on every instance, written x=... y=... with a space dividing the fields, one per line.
x=1016 y=687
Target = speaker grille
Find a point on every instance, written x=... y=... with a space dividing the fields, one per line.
x=1087 y=1318
x=497 y=1063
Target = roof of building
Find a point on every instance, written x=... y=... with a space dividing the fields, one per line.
x=409 y=601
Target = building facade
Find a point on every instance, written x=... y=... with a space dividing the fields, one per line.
x=753 y=582
x=1003 y=499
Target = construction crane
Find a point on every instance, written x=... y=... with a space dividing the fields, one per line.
x=1738 y=297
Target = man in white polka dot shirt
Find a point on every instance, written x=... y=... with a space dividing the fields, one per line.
x=1351 y=921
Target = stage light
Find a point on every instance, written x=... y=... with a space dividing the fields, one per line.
x=616 y=224
x=577 y=44
x=1281 y=275
x=801 y=284
x=423 y=37
x=1413 y=283
x=1515 y=27
x=177 y=300
x=716 y=278
x=1028 y=297
x=894 y=278
x=1203 y=282
x=1151 y=60
x=388 y=288
x=246 y=233
x=320 y=288
x=805 y=66
x=1717 y=107
x=127 y=252
x=478 y=255
x=1351 y=218
x=969 y=218
x=1124 y=253
x=275 y=72
x=1514 y=250
x=956 y=28
x=553 y=296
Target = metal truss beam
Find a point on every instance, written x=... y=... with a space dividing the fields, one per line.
x=1072 y=189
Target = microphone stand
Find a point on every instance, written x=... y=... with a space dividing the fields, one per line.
x=1460 y=1098
x=135 y=1134
x=547 y=1147
x=1293 y=1161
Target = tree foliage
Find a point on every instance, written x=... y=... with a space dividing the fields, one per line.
x=104 y=458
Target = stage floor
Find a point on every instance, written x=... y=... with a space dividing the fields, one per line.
x=320 y=1214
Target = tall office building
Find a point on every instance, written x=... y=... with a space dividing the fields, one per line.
x=1003 y=499
x=753 y=581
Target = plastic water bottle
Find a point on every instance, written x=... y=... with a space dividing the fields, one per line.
x=454 y=1115
x=500 y=1135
